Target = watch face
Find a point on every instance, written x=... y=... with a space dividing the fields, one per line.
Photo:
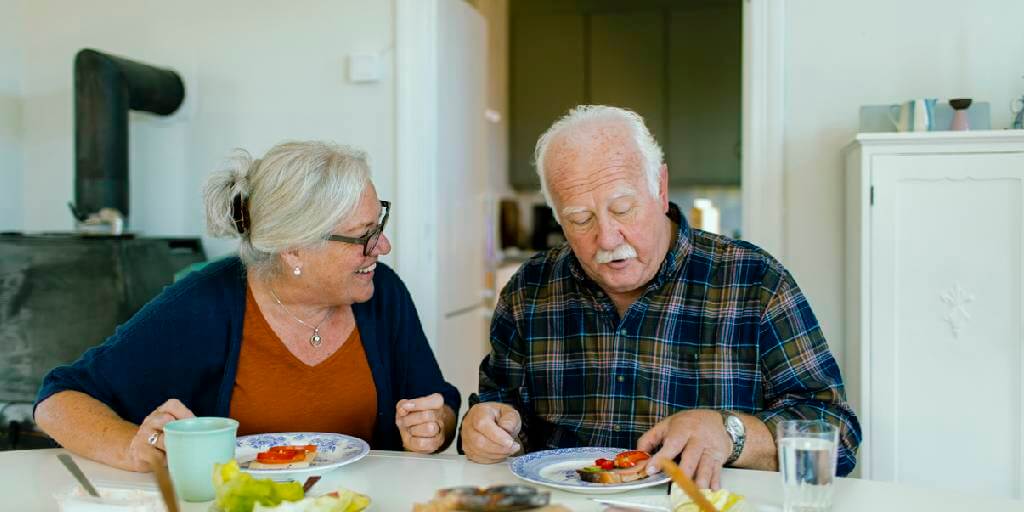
x=734 y=424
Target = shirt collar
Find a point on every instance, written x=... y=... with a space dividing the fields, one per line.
x=674 y=258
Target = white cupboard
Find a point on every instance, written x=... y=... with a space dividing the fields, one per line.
x=934 y=323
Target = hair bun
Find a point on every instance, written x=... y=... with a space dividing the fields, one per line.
x=240 y=213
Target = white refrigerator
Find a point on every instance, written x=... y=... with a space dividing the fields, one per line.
x=444 y=232
x=462 y=339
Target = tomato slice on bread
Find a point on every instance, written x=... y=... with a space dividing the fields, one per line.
x=626 y=467
x=630 y=458
x=285 y=454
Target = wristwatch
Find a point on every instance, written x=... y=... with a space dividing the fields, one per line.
x=737 y=432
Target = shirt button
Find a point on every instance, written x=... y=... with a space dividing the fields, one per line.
x=620 y=378
x=616 y=428
x=622 y=332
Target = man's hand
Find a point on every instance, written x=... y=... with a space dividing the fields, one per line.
x=701 y=437
x=489 y=432
x=421 y=422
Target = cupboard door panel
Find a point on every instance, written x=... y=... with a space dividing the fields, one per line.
x=705 y=111
x=547 y=78
x=946 y=286
x=627 y=64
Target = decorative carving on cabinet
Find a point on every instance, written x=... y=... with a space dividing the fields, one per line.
x=957 y=298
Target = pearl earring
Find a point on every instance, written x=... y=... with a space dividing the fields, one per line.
x=297 y=271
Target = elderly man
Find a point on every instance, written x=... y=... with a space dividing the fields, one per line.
x=643 y=331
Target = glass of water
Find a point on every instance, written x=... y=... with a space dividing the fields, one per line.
x=807 y=461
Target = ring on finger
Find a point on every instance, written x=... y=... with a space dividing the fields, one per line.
x=153 y=438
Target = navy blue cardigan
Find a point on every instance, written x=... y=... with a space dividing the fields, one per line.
x=185 y=344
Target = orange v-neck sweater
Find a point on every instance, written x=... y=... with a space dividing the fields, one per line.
x=276 y=392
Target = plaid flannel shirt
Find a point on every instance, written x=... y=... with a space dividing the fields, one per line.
x=721 y=326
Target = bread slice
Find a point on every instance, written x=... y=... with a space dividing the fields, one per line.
x=615 y=476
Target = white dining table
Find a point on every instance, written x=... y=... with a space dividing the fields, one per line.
x=394 y=481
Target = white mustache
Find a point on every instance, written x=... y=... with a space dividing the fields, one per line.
x=622 y=252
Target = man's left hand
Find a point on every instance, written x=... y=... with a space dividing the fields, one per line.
x=700 y=436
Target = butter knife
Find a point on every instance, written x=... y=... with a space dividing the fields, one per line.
x=163 y=480
x=77 y=473
x=632 y=505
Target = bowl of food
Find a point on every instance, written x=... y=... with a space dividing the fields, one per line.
x=113 y=499
x=238 y=491
x=723 y=500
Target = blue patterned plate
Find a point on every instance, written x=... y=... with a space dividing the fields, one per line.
x=332 y=451
x=557 y=468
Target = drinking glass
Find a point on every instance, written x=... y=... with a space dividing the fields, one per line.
x=807 y=461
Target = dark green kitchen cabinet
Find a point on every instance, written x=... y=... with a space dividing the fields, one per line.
x=677 y=64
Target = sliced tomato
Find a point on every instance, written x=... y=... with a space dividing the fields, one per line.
x=285 y=454
x=281 y=457
x=630 y=459
x=605 y=463
x=293 y=447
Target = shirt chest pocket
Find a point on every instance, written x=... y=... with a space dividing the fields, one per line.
x=704 y=376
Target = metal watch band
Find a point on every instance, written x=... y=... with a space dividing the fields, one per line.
x=738 y=438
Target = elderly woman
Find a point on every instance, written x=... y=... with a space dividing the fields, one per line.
x=306 y=331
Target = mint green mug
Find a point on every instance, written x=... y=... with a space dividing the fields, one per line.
x=194 y=445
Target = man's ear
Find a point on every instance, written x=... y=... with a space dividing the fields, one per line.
x=663 y=187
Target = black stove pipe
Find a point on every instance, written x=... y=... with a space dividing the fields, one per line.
x=106 y=88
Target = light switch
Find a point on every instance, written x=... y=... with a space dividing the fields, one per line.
x=363 y=67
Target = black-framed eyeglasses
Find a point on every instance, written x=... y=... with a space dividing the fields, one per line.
x=369 y=240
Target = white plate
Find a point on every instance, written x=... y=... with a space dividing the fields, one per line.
x=332 y=452
x=557 y=469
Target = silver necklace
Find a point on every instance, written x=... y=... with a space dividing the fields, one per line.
x=315 y=339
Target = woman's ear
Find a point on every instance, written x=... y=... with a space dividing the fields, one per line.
x=291 y=261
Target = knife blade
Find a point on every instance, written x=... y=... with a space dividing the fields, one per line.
x=76 y=472
x=633 y=505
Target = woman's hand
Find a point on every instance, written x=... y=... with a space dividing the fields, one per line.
x=148 y=443
x=426 y=423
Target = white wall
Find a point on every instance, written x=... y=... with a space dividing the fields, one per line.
x=842 y=54
x=10 y=119
x=257 y=73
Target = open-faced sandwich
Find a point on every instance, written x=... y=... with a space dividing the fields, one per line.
x=625 y=467
x=497 y=498
x=285 y=457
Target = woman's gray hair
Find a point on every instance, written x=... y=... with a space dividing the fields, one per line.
x=650 y=151
x=291 y=198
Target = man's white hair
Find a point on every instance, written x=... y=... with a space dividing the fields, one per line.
x=650 y=151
